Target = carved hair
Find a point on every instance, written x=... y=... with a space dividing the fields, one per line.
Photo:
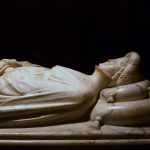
x=128 y=72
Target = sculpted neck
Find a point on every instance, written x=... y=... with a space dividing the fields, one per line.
x=100 y=79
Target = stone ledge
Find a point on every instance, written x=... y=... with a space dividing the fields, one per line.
x=109 y=142
x=75 y=134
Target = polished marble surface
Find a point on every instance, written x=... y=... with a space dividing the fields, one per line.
x=75 y=134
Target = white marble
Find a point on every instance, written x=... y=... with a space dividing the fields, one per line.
x=32 y=95
x=75 y=134
x=41 y=106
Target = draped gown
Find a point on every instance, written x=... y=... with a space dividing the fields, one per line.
x=37 y=96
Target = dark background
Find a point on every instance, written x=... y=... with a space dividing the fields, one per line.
x=74 y=33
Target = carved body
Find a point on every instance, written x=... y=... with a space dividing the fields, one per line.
x=31 y=95
x=60 y=95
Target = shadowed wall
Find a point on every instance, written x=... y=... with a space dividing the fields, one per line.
x=72 y=33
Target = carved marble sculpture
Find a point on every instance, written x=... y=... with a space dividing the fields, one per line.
x=32 y=95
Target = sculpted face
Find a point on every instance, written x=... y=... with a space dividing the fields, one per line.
x=112 y=65
x=124 y=70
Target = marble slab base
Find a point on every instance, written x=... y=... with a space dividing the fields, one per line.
x=75 y=134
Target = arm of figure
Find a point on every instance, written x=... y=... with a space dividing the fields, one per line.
x=130 y=92
x=8 y=64
x=14 y=63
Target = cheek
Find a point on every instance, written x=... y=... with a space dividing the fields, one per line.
x=110 y=70
x=106 y=66
x=109 y=67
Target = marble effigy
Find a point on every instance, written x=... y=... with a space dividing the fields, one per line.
x=42 y=106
